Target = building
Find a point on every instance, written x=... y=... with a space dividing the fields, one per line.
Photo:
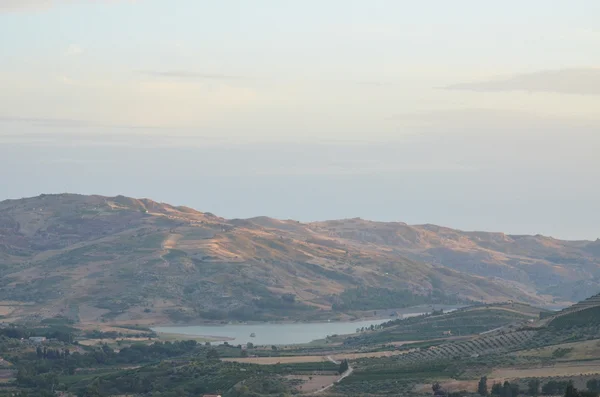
x=37 y=339
x=212 y=395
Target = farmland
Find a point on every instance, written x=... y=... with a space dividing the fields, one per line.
x=502 y=342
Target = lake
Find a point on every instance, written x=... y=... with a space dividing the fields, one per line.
x=271 y=333
x=296 y=333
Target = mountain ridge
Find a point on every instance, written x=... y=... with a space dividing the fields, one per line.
x=119 y=259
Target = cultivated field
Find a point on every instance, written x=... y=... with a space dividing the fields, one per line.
x=557 y=370
x=574 y=351
x=314 y=383
x=311 y=359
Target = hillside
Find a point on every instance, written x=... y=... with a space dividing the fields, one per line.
x=472 y=320
x=124 y=260
x=567 y=270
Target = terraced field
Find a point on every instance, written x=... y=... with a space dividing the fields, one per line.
x=483 y=345
x=589 y=303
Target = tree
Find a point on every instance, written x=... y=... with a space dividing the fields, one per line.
x=496 y=389
x=437 y=389
x=571 y=391
x=588 y=393
x=344 y=366
x=212 y=354
x=92 y=390
x=482 y=388
x=249 y=345
x=593 y=385
x=506 y=390
x=533 y=387
x=515 y=391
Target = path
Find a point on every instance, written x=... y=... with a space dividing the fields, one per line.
x=342 y=377
x=168 y=244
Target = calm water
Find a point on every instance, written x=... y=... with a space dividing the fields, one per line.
x=271 y=334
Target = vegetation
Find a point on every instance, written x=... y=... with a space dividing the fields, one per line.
x=141 y=258
x=370 y=298
x=468 y=321
x=587 y=317
x=182 y=368
x=482 y=387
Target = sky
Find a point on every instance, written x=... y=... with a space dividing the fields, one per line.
x=468 y=114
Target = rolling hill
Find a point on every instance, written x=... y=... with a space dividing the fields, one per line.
x=124 y=260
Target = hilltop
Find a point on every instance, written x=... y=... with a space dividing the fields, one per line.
x=124 y=260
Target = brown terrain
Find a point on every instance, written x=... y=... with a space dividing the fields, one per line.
x=121 y=260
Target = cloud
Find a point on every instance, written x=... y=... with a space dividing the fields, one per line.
x=67 y=123
x=15 y=5
x=36 y=5
x=374 y=83
x=66 y=80
x=41 y=121
x=74 y=49
x=184 y=74
x=582 y=81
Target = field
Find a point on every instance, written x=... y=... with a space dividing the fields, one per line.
x=313 y=383
x=311 y=359
x=567 y=351
x=555 y=370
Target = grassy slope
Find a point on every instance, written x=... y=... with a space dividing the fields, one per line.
x=566 y=269
x=124 y=260
x=137 y=261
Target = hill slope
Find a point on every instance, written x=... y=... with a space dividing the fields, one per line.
x=119 y=259
x=567 y=270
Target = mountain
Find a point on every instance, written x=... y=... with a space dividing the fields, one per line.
x=566 y=270
x=124 y=260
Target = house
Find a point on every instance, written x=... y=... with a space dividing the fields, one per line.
x=447 y=333
x=37 y=339
x=212 y=395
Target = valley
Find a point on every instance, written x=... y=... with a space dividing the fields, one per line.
x=338 y=308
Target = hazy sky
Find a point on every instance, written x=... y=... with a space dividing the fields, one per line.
x=470 y=114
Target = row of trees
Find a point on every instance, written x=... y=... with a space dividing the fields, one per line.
x=534 y=386
x=371 y=328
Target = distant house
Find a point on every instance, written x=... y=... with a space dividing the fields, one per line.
x=37 y=339
x=212 y=395
x=447 y=333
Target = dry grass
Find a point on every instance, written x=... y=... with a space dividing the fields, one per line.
x=571 y=369
x=6 y=310
x=580 y=350
x=453 y=385
x=277 y=360
x=314 y=382
x=310 y=359
x=561 y=369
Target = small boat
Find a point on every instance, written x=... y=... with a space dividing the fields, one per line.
x=253 y=335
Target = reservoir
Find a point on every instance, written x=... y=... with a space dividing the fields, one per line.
x=270 y=333
x=294 y=333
